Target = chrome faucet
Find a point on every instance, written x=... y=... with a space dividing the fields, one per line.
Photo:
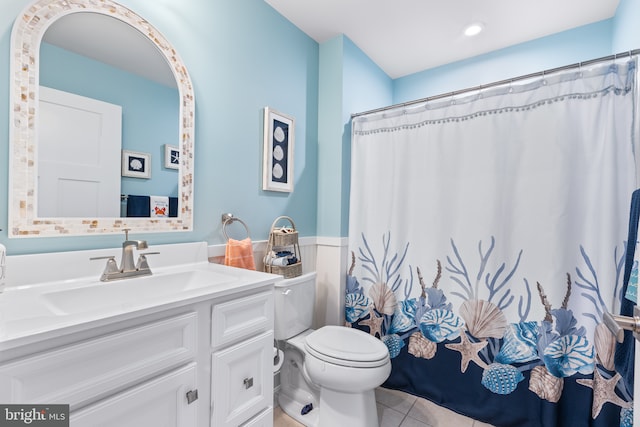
x=127 y=267
x=126 y=263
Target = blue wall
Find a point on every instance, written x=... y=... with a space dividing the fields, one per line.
x=349 y=81
x=626 y=31
x=330 y=147
x=241 y=56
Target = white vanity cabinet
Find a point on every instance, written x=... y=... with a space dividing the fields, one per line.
x=207 y=363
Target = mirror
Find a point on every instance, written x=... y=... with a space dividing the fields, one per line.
x=96 y=99
x=36 y=36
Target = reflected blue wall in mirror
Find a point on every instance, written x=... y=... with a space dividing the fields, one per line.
x=150 y=110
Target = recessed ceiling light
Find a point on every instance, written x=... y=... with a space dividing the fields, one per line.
x=473 y=29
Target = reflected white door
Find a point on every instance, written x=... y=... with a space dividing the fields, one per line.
x=79 y=142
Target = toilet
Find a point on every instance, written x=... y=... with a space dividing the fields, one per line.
x=329 y=374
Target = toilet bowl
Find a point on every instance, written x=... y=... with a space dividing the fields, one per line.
x=329 y=375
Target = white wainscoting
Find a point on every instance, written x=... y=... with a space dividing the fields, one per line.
x=332 y=264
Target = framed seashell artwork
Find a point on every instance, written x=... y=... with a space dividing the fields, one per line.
x=136 y=165
x=279 y=137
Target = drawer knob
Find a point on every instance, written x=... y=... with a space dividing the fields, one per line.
x=248 y=383
x=192 y=396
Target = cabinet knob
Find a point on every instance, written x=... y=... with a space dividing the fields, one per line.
x=248 y=383
x=192 y=396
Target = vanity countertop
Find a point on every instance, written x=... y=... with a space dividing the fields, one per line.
x=33 y=308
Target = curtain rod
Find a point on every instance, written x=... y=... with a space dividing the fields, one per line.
x=498 y=83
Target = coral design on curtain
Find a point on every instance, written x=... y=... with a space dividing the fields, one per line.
x=488 y=238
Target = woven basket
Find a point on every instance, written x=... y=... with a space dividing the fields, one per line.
x=279 y=239
x=288 y=271
x=284 y=239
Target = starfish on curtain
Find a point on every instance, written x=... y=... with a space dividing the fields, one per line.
x=373 y=322
x=603 y=392
x=469 y=351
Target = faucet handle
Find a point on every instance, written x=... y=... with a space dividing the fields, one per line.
x=110 y=268
x=109 y=258
x=142 y=263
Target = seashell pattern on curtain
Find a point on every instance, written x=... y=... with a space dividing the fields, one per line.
x=516 y=203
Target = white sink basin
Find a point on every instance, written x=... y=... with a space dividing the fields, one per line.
x=56 y=293
x=131 y=291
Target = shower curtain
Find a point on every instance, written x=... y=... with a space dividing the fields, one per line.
x=487 y=235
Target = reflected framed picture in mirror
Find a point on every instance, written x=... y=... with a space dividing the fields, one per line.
x=136 y=164
x=277 y=169
x=171 y=157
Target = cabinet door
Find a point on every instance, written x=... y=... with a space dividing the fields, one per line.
x=242 y=381
x=161 y=402
x=91 y=370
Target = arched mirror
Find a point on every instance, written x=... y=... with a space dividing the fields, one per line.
x=101 y=126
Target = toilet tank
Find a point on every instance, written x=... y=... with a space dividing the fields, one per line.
x=294 y=302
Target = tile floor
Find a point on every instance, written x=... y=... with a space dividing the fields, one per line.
x=398 y=409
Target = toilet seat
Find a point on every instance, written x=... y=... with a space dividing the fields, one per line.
x=346 y=347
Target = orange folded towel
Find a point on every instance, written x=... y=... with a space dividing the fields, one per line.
x=239 y=253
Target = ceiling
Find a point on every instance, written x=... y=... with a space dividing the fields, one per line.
x=401 y=36
x=406 y=36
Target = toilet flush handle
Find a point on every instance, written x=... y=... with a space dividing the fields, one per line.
x=286 y=291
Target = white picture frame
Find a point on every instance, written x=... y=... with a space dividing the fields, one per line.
x=136 y=164
x=171 y=157
x=279 y=139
